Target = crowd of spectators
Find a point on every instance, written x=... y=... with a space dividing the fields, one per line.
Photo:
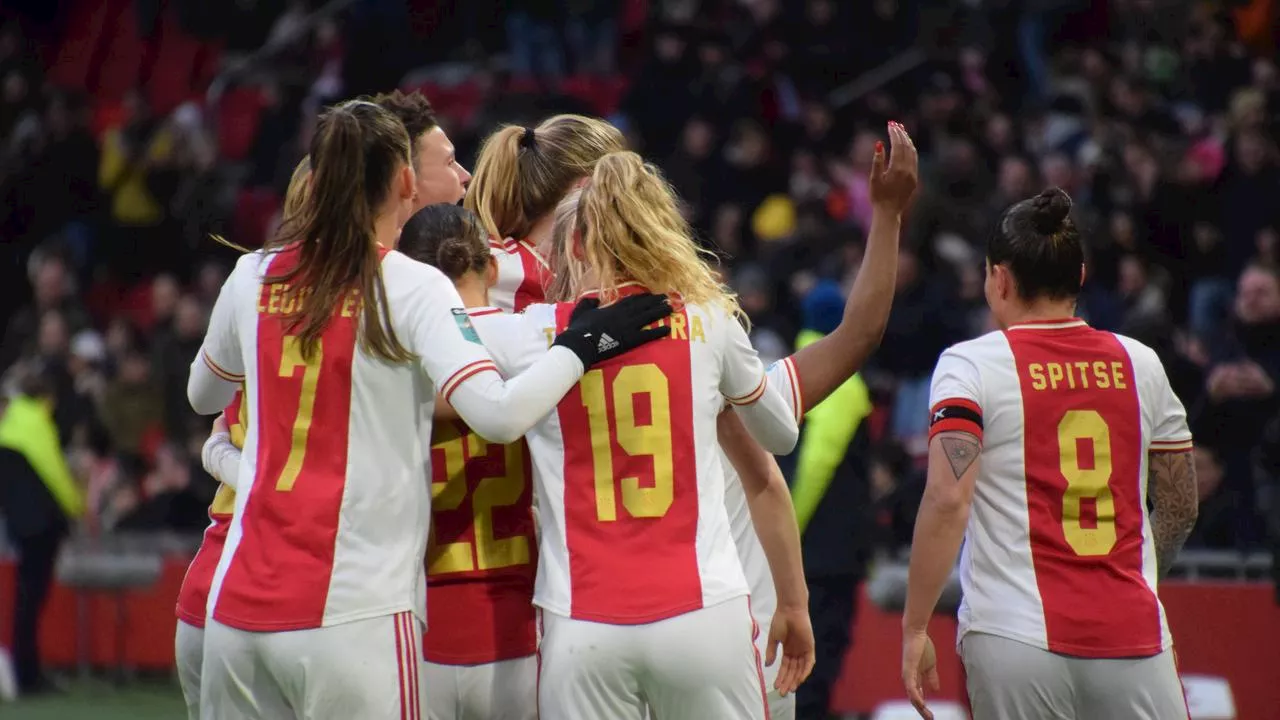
x=1158 y=119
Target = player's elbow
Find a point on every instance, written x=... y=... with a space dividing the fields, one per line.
x=203 y=391
x=496 y=430
x=780 y=439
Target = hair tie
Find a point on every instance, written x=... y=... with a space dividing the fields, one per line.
x=528 y=138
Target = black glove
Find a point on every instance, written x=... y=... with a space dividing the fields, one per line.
x=598 y=333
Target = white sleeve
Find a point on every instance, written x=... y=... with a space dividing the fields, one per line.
x=221 y=459
x=218 y=369
x=1169 y=430
x=784 y=376
x=954 y=395
x=441 y=334
x=764 y=411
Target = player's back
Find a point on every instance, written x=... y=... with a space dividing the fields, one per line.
x=629 y=476
x=522 y=275
x=482 y=550
x=1058 y=552
x=332 y=526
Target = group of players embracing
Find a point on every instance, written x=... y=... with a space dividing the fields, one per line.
x=510 y=459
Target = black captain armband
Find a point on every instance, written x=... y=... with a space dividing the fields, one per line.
x=956 y=415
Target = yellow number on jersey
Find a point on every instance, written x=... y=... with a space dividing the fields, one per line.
x=1084 y=483
x=653 y=440
x=290 y=360
x=491 y=492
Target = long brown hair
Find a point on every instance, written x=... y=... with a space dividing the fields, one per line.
x=523 y=172
x=355 y=154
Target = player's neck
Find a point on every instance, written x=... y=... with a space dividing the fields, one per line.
x=1040 y=311
x=473 y=290
x=540 y=234
x=386 y=230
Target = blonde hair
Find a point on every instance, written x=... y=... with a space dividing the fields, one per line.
x=523 y=172
x=629 y=228
x=296 y=195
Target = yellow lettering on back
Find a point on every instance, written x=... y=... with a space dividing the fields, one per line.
x=1037 y=376
x=1055 y=375
x=1117 y=373
x=1100 y=375
x=695 y=329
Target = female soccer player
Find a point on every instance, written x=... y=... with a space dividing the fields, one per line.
x=229 y=429
x=314 y=609
x=1045 y=438
x=521 y=175
x=643 y=596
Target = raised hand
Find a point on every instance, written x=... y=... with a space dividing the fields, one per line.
x=893 y=183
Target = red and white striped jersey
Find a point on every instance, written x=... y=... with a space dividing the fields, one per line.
x=483 y=549
x=332 y=516
x=1059 y=552
x=523 y=275
x=193 y=597
x=629 y=479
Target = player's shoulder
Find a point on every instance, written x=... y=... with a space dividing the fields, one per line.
x=982 y=349
x=1141 y=354
x=403 y=274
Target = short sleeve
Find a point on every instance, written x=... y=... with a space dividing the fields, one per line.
x=742 y=378
x=955 y=395
x=1169 y=430
x=221 y=348
x=783 y=376
x=436 y=326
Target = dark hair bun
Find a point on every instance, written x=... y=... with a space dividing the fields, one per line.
x=454 y=257
x=1049 y=209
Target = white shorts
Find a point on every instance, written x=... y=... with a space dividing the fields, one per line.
x=780 y=708
x=701 y=665
x=368 y=669
x=188 y=644
x=504 y=690
x=1010 y=680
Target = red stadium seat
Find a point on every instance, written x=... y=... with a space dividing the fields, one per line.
x=238 y=116
x=175 y=64
x=254 y=209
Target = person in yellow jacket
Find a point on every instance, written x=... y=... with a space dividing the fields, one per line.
x=830 y=490
x=39 y=498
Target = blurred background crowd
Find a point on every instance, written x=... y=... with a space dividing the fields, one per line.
x=132 y=129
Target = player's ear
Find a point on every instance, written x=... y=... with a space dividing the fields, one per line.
x=491 y=272
x=407 y=183
x=1084 y=273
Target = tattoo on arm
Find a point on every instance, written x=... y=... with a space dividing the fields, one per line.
x=1172 y=482
x=962 y=450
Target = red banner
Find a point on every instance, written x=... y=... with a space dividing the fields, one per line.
x=1227 y=630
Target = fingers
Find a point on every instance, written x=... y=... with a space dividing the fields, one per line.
x=651 y=334
x=916 y=695
x=645 y=308
x=877 y=161
x=771 y=649
x=584 y=305
x=902 y=152
x=932 y=678
x=788 y=676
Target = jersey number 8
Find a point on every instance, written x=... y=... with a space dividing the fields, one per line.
x=1087 y=481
